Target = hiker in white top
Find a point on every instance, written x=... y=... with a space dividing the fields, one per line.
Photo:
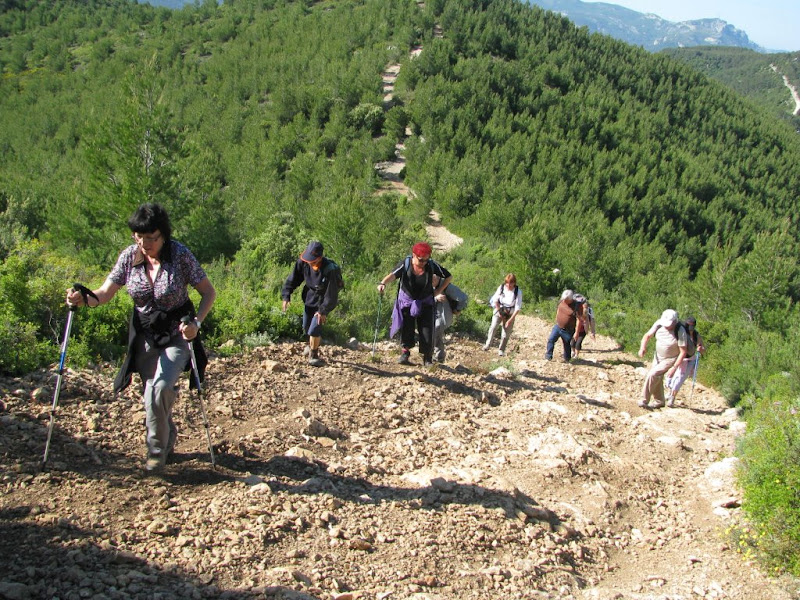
x=670 y=352
x=694 y=349
x=506 y=304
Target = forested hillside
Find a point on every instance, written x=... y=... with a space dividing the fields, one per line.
x=257 y=124
x=756 y=76
x=569 y=158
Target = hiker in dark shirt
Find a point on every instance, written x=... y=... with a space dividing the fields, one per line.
x=322 y=278
x=422 y=282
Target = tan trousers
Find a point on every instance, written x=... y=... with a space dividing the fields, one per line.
x=654 y=382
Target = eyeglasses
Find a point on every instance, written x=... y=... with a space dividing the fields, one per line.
x=422 y=260
x=146 y=239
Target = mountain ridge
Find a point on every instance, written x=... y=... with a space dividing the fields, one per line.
x=649 y=30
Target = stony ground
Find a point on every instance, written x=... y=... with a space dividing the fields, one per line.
x=484 y=477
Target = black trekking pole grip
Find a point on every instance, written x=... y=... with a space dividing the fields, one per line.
x=85 y=292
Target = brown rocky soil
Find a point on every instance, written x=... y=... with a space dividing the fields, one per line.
x=484 y=477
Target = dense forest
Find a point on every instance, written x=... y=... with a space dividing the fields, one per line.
x=257 y=124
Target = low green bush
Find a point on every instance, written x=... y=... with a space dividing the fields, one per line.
x=770 y=477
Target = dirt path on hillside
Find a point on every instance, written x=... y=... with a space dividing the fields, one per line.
x=792 y=90
x=391 y=171
x=484 y=477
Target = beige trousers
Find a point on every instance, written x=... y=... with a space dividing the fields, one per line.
x=654 y=382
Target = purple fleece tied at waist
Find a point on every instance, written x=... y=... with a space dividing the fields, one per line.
x=406 y=301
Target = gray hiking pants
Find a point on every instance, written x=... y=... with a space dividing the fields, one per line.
x=505 y=332
x=160 y=369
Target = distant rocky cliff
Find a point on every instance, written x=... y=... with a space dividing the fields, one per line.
x=648 y=30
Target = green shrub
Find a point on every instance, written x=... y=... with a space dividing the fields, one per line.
x=357 y=313
x=770 y=477
x=20 y=350
x=33 y=284
x=367 y=116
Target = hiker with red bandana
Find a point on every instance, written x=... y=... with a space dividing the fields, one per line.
x=422 y=283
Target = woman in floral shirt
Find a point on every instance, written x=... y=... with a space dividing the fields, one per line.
x=156 y=271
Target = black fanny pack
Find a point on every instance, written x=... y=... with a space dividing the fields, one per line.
x=157 y=326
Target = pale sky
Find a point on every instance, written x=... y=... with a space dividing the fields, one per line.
x=772 y=24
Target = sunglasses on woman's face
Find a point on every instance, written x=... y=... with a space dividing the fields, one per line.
x=146 y=239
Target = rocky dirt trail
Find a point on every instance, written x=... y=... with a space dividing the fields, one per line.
x=484 y=477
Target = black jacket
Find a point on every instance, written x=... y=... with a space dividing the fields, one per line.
x=321 y=290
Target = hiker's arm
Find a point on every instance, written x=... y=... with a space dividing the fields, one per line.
x=207 y=296
x=292 y=282
x=443 y=283
x=678 y=362
x=643 y=346
x=701 y=348
x=386 y=280
x=579 y=316
x=517 y=305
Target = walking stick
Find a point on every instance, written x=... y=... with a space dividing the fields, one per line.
x=199 y=385
x=377 y=324
x=62 y=359
x=694 y=376
x=64 y=343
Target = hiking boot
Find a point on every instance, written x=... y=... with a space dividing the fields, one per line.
x=658 y=405
x=548 y=357
x=643 y=404
x=427 y=361
x=155 y=463
x=404 y=358
x=501 y=353
x=485 y=347
x=670 y=401
x=315 y=360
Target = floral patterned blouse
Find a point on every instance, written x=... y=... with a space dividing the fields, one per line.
x=179 y=269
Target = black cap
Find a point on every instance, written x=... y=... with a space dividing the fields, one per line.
x=313 y=252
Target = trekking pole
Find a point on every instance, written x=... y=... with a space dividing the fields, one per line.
x=694 y=376
x=62 y=359
x=377 y=324
x=199 y=385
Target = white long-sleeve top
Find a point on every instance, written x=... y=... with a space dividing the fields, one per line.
x=506 y=298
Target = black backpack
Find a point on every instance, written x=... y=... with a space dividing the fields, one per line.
x=332 y=271
x=500 y=291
